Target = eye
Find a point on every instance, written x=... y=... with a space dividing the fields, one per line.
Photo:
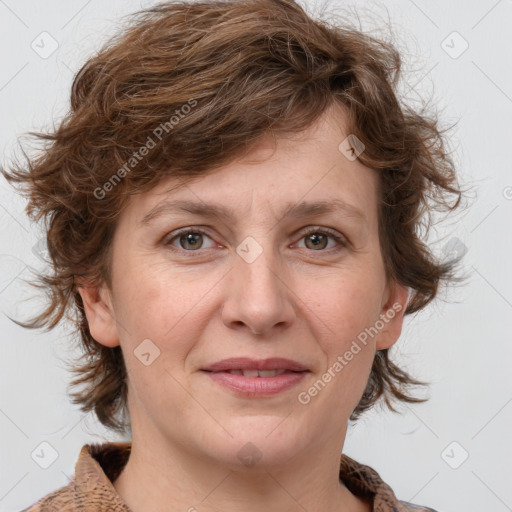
x=317 y=239
x=189 y=239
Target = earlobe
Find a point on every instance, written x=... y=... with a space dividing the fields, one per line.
x=100 y=314
x=392 y=316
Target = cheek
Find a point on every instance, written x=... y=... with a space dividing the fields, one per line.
x=349 y=304
x=161 y=304
x=349 y=346
x=349 y=307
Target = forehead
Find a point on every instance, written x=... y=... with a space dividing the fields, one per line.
x=297 y=174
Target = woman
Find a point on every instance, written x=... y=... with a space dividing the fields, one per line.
x=233 y=206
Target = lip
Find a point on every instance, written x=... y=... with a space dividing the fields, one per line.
x=246 y=363
x=256 y=386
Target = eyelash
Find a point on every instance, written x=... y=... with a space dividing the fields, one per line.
x=341 y=240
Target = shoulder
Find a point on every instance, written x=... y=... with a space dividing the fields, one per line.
x=58 y=500
x=364 y=481
x=405 y=506
x=90 y=489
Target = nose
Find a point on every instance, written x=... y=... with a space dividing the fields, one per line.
x=258 y=296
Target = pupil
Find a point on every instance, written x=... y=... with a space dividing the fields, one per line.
x=316 y=239
x=190 y=238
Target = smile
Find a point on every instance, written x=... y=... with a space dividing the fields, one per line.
x=256 y=383
x=258 y=373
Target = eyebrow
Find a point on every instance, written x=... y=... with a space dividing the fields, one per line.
x=222 y=212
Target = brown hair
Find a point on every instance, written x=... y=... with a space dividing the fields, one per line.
x=204 y=80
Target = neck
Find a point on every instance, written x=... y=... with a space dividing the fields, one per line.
x=180 y=480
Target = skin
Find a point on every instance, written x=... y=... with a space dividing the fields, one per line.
x=201 y=303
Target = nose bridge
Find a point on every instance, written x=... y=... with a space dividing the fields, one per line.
x=258 y=296
x=258 y=266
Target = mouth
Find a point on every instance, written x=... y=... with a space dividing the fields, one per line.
x=247 y=365
x=256 y=378
x=257 y=373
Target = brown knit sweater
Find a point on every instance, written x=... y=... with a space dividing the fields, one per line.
x=98 y=465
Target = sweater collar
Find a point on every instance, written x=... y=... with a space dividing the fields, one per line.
x=98 y=465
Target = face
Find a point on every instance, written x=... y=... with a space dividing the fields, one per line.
x=264 y=277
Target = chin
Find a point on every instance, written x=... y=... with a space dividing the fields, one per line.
x=257 y=441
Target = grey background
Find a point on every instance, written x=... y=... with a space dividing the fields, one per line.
x=461 y=345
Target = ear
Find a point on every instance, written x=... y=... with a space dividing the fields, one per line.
x=392 y=315
x=100 y=313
